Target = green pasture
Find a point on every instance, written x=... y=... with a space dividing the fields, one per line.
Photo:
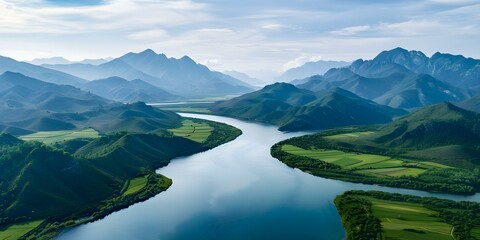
x=198 y=132
x=135 y=185
x=399 y=218
x=17 y=230
x=377 y=165
x=59 y=136
x=348 y=136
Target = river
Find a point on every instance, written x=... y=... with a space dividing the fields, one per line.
x=235 y=191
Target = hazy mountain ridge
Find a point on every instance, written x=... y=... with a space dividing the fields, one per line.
x=309 y=69
x=122 y=90
x=182 y=76
x=34 y=71
x=61 y=60
x=22 y=96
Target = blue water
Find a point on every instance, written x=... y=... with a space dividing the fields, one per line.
x=235 y=191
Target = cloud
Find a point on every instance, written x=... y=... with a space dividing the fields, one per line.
x=299 y=61
x=155 y=34
x=116 y=15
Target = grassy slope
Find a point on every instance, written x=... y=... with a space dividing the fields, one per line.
x=59 y=136
x=405 y=217
x=198 y=132
x=16 y=231
x=418 y=151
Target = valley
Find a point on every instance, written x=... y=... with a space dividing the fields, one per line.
x=381 y=124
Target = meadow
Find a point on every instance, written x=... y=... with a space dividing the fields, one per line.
x=378 y=215
x=371 y=164
x=49 y=137
x=195 y=131
x=135 y=185
x=402 y=220
x=18 y=230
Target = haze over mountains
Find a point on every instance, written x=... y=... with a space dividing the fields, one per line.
x=47 y=75
x=309 y=69
x=61 y=60
x=125 y=91
x=182 y=76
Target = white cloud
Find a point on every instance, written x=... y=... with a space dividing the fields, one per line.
x=149 y=35
x=299 y=61
x=118 y=15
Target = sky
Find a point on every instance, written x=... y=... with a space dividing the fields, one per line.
x=252 y=36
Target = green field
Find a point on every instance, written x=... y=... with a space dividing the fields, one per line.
x=198 y=132
x=16 y=231
x=371 y=164
x=59 y=136
x=397 y=218
x=134 y=185
x=349 y=135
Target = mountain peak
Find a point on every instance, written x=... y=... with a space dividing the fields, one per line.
x=147 y=52
x=187 y=59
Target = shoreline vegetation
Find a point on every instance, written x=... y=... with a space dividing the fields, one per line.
x=325 y=154
x=124 y=162
x=372 y=215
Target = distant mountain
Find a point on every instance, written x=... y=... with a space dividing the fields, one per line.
x=309 y=69
x=181 y=76
x=472 y=104
x=456 y=70
x=246 y=78
x=48 y=75
x=61 y=60
x=295 y=109
x=125 y=91
x=442 y=124
x=52 y=60
x=388 y=83
x=22 y=97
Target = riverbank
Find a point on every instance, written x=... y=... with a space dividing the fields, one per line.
x=125 y=160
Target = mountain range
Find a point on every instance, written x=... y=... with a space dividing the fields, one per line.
x=389 y=79
x=31 y=105
x=246 y=78
x=294 y=109
x=47 y=75
x=61 y=60
x=182 y=76
x=309 y=69
x=122 y=90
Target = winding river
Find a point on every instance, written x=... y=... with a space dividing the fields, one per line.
x=235 y=191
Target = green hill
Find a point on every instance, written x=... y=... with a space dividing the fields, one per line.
x=82 y=180
x=439 y=125
x=294 y=109
x=434 y=149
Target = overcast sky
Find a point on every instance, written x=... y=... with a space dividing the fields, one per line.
x=244 y=35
